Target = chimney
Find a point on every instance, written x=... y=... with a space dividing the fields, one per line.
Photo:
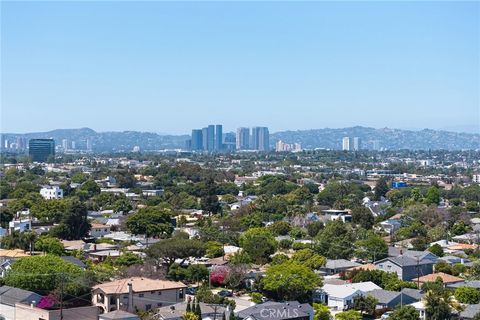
x=95 y=247
x=32 y=305
x=130 y=298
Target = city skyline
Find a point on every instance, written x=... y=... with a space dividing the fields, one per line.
x=281 y=65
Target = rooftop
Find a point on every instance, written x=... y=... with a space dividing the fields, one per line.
x=138 y=285
x=446 y=278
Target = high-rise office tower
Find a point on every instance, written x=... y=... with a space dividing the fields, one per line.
x=20 y=143
x=264 y=139
x=210 y=138
x=41 y=149
x=74 y=145
x=243 y=138
x=356 y=143
x=65 y=144
x=218 y=137
x=197 y=139
x=204 y=138
x=260 y=139
x=346 y=144
x=376 y=145
x=89 y=144
x=229 y=141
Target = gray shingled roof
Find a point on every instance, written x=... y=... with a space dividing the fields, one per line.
x=384 y=296
x=473 y=284
x=414 y=293
x=404 y=261
x=118 y=315
x=340 y=263
x=10 y=296
x=470 y=311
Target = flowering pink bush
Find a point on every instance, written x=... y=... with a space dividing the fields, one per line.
x=47 y=302
x=218 y=275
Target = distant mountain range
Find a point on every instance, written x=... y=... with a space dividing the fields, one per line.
x=391 y=139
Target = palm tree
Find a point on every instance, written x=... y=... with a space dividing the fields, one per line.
x=439 y=305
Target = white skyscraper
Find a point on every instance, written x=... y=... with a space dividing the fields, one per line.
x=356 y=143
x=346 y=144
x=65 y=144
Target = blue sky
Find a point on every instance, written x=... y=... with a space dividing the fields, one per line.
x=172 y=66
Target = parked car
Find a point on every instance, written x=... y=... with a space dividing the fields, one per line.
x=191 y=291
x=225 y=293
x=386 y=315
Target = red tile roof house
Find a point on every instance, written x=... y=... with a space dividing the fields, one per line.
x=137 y=293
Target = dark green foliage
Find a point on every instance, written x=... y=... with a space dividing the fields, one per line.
x=73 y=222
x=335 y=241
x=150 y=221
x=363 y=217
x=381 y=188
x=386 y=280
x=169 y=250
x=405 y=313
x=258 y=243
x=467 y=295
x=437 y=250
x=43 y=274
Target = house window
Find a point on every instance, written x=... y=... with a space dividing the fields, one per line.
x=389 y=267
x=159 y=293
x=380 y=266
x=152 y=292
x=125 y=296
x=148 y=307
x=159 y=304
x=140 y=295
x=180 y=294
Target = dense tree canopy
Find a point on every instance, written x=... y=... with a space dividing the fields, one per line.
x=150 y=221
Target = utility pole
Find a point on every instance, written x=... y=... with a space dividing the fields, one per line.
x=61 y=294
x=418 y=273
x=215 y=308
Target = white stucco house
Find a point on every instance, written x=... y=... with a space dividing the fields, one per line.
x=340 y=297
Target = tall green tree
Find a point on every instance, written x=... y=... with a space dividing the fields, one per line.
x=258 y=243
x=335 y=241
x=290 y=281
x=151 y=221
x=73 y=224
x=432 y=196
x=381 y=188
x=169 y=250
x=373 y=247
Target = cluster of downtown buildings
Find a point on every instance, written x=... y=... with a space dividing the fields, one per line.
x=212 y=139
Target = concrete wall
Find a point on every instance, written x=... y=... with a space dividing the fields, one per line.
x=7 y=312
x=141 y=300
x=33 y=313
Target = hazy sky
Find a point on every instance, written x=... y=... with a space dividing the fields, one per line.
x=170 y=67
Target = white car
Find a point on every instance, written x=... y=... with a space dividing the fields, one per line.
x=386 y=315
